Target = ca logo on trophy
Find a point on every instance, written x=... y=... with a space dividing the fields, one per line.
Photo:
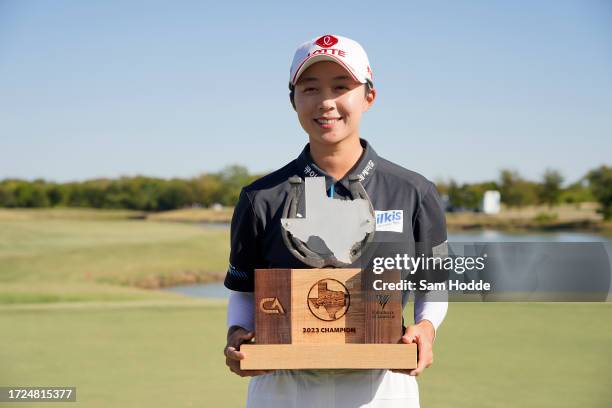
x=271 y=306
x=327 y=316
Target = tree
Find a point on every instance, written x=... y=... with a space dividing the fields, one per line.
x=578 y=192
x=7 y=194
x=515 y=191
x=468 y=196
x=175 y=194
x=233 y=178
x=207 y=189
x=31 y=194
x=57 y=194
x=550 y=189
x=134 y=193
x=600 y=182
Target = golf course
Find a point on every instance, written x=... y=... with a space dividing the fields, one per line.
x=80 y=306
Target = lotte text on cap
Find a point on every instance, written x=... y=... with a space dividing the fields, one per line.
x=341 y=50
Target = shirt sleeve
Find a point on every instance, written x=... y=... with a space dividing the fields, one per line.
x=433 y=310
x=430 y=236
x=244 y=250
x=241 y=310
x=430 y=233
x=430 y=225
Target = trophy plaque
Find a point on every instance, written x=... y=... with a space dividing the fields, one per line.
x=330 y=316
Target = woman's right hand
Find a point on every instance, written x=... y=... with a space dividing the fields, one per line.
x=235 y=337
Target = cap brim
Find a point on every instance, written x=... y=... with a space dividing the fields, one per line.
x=323 y=57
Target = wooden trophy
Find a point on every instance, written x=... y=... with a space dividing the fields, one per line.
x=327 y=318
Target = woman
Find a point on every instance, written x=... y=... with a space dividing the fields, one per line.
x=331 y=86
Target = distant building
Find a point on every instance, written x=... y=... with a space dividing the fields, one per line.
x=491 y=202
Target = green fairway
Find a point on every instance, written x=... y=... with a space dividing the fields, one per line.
x=169 y=355
x=46 y=260
x=71 y=213
x=74 y=311
x=521 y=355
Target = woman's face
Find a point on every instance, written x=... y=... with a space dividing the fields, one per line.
x=329 y=103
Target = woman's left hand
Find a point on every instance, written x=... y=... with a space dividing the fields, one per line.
x=422 y=334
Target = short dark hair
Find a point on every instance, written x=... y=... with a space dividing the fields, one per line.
x=368 y=87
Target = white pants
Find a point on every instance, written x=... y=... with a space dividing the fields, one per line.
x=333 y=389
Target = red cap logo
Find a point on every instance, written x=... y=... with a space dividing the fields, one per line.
x=326 y=41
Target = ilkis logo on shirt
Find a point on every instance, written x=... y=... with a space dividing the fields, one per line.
x=390 y=220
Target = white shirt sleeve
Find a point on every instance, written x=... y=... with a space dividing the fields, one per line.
x=430 y=306
x=241 y=310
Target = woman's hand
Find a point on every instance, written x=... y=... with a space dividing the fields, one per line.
x=422 y=334
x=235 y=337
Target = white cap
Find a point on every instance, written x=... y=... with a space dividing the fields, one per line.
x=341 y=50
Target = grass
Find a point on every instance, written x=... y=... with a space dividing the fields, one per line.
x=67 y=214
x=73 y=311
x=194 y=215
x=43 y=260
x=118 y=356
x=138 y=354
x=521 y=355
x=583 y=216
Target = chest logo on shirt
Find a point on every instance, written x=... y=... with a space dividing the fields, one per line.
x=390 y=220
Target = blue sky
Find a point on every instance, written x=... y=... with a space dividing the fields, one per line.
x=174 y=89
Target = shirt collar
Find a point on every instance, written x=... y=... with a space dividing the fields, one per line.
x=364 y=168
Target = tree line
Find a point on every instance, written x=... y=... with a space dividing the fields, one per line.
x=157 y=194
x=517 y=191
x=133 y=193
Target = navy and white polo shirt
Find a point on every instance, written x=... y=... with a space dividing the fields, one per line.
x=409 y=213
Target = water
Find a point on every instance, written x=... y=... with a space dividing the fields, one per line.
x=216 y=290
x=498 y=236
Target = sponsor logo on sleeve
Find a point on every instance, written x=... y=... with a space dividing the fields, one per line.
x=236 y=273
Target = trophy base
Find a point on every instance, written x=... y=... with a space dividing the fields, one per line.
x=328 y=356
